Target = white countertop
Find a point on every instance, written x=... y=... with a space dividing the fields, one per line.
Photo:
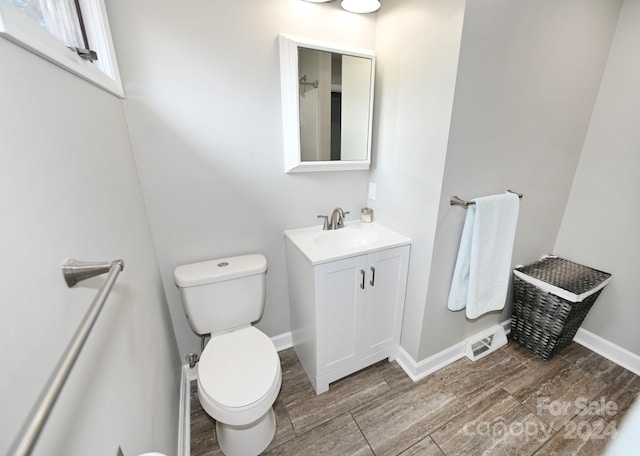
x=356 y=238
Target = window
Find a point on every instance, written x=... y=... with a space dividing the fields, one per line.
x=62 y=18
x=73 y=34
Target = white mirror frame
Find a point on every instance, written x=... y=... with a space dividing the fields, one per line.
x=291 y=109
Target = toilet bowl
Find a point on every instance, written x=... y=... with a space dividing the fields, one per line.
x=239 y=375
x=239 y=378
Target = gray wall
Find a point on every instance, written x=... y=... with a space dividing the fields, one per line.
x=525 y=77
x=203 y=112
x=69 y=188
x=528 y=77
x=600 y=225
x=203 y=105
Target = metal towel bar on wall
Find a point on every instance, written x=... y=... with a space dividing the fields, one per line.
x=457 y=201
x=73 y=271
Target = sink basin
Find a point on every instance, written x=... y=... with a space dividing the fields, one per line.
x=349 y=237
x=321 y=246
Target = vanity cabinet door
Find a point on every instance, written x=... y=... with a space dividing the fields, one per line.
x=346 y=314
x=340 y=299
x=360 y=301
x=386 y=285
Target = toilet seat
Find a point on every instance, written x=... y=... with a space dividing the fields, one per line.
x=239 y=376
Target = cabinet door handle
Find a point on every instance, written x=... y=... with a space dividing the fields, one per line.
x=363 y=274
x=373 y=276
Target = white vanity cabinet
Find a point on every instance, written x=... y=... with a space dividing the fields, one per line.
x=346 y=314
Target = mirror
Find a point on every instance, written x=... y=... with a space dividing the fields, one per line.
x=327 y=105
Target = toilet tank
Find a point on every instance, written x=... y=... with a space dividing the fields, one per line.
x=222 y=294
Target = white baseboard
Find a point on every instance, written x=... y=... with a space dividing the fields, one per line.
x=184 y=415
x=614 y=353
x=282 y=341
x=507 y=326
x=417 y=370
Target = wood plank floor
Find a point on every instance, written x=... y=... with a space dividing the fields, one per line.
x=509 y=402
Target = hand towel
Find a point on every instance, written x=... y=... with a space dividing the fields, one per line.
x=481 y=276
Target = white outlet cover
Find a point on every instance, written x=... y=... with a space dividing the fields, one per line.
x=372 y=190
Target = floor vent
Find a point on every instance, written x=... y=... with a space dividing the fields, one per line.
x=485 y=342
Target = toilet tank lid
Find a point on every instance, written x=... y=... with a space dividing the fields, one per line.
x=211 y=271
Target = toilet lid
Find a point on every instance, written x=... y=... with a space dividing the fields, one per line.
x=238 y=368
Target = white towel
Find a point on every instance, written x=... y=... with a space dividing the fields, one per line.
x=481 y=276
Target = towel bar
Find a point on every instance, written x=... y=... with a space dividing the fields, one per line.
x=457 y=201
x=73 y=271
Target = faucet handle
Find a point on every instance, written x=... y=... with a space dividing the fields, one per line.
x=325 y=224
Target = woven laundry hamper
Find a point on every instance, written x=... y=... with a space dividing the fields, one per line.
x=551 y=299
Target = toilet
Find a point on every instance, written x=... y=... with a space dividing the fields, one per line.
x=239 y=373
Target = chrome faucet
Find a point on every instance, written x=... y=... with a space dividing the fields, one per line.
x=337 y=218
x=336 y=221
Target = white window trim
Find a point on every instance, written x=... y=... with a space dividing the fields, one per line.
x=22 y=30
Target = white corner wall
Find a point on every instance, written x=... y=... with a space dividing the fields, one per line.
x=69 y=188
x=417 y=44
x=600 y=225
x=203 y=105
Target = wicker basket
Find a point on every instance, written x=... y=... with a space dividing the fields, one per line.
x=551 y=299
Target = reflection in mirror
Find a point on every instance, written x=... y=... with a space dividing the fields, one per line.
x=333 y=104
x=327 y=100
